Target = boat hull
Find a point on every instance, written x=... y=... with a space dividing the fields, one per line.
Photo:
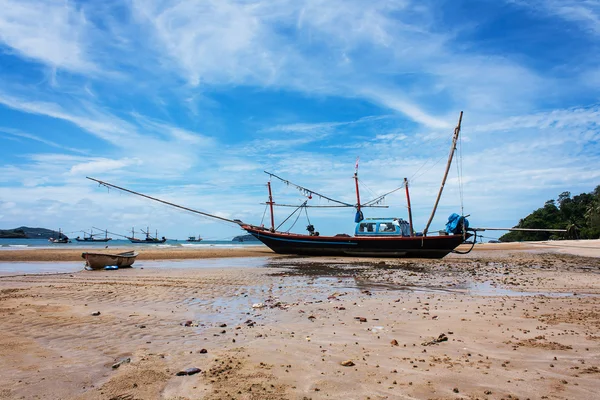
x=143 y=241
x=396 y=247
x=100 y=260
x=93 y=240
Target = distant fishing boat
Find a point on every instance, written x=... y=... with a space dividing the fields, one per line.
x=148 y=239
x=193 y=239
x=60 y=239
x=101 y=260
x=92 y=237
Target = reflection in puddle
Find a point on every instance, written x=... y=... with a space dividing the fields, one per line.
x=489 y=289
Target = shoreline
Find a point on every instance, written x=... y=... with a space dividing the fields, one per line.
x=585 y=248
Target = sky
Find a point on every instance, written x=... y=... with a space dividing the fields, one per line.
x=191 y=101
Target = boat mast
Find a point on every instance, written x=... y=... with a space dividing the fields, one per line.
x=270 y=203
x=409 y=210
x=452 y=149
x=357 y=191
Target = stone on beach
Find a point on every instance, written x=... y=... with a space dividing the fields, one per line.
x=189 y=371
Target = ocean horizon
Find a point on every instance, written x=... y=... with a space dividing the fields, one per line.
x=16 y=244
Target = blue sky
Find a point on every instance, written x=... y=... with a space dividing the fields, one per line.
x=191 y=100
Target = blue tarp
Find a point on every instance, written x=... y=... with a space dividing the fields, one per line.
x=455 y=223
x=359 y=216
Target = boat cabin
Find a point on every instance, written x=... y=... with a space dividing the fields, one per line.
x=382 y=227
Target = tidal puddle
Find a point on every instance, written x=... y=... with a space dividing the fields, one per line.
x=230 y=262
x=489 y=289
x=45 y=267
x=53 y=267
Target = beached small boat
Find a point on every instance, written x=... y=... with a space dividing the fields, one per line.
x=101 y=260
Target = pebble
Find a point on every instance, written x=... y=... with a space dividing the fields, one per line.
x=189 y=371
x=347 y=363
x=122 y=361
x=95 y=314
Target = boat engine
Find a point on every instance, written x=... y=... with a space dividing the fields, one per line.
x=311 y=230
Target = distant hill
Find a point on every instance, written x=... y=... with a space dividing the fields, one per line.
x=245 y=238
x=25 y=232
x=579 y=214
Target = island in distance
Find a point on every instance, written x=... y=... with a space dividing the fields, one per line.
x=245 y=238
x=25 y=232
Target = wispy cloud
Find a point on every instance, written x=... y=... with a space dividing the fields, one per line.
x=18 y=133
x=583 y=13
x=51 y=32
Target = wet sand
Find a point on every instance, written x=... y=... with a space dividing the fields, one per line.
x=519 y=323
x=147 y=253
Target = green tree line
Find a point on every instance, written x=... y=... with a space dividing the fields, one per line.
x=580 y=215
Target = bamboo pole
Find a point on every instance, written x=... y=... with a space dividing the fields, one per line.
x=450 y=156
x=164 y=202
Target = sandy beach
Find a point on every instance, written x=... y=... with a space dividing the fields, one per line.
x=507 y=321
x=148 y=253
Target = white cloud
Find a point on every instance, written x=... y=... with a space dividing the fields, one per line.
x=583 y=13
x=50 y=32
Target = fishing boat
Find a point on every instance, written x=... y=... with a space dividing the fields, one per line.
x=193 y=239
x=92 y=237
x=379 y=237
x=373 y=237
x=62 y=238
x=101 y=260
x=148 y=239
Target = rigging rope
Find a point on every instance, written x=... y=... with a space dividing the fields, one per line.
x=296 y=220
x=308 y=219
x=262 y=221
x=460 y=178
x=294 y=212
x=459 y=174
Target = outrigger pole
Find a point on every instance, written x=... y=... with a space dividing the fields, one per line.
x=519 y=229
x=454 y=140
x=110 y=185
x=409 y=210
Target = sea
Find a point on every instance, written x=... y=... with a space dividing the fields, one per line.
x=20 y=244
